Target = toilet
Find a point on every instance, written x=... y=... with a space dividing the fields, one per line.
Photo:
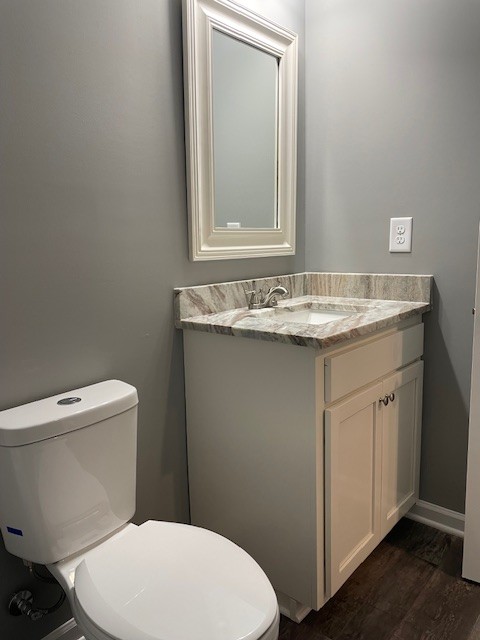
x=67 y=493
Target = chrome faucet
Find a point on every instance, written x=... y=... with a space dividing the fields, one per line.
x=256 y=300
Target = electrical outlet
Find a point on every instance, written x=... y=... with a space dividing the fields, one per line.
x=400 y=235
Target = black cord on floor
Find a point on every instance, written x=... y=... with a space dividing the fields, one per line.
x=50 y=580
x=57 y=605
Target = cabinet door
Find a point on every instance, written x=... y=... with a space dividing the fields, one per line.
x=352 y=484
x=401 y=420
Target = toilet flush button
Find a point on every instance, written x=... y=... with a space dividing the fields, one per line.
x=71 y=400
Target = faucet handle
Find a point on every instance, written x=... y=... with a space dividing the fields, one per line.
x=251 y=296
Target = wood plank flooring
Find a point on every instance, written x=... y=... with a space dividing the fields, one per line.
x=410 y=588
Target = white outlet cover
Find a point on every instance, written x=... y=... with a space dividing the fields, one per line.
x=400 y=235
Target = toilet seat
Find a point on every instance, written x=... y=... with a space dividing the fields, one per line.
x=168 y=581
x=92 y=632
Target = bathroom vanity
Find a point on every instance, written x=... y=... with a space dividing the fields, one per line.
x=304 y=438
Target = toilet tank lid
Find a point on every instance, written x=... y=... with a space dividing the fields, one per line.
x=65 y=412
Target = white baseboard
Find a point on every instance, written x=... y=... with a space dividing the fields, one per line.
x=68 y=631
x=438 y=517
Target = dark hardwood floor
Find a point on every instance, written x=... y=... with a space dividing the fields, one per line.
x=410 y=588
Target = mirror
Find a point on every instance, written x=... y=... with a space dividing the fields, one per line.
x=244 y=91
x=240 y=111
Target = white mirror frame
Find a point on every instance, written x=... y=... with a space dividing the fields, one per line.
x=200 y=17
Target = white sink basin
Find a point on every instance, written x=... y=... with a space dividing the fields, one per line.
x=306 y=313
x=310 y=316
x=313 y=313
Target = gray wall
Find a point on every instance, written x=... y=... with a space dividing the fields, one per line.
x=94 y=225
x=393 y=129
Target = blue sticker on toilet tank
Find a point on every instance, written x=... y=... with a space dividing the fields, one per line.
x=16 y=532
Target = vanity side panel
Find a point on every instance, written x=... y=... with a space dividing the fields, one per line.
x=320 y=481
x=252 y=446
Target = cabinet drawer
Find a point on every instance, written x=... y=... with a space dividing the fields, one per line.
x=355 y=368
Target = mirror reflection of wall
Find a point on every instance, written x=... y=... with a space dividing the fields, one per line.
x=244 y=98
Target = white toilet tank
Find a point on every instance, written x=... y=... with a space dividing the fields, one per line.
x=67 y=470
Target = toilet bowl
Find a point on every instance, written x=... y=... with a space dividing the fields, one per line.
x=67 y=493
x=169 y=581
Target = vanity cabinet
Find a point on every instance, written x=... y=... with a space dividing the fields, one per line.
x=401 y=435
x=353 y=484
x=296 y=455
x=371 y=468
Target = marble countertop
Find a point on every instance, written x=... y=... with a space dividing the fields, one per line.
x=366 y=316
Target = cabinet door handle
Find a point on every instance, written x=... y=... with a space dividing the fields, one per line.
x=392 y=397
x=383 y=400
